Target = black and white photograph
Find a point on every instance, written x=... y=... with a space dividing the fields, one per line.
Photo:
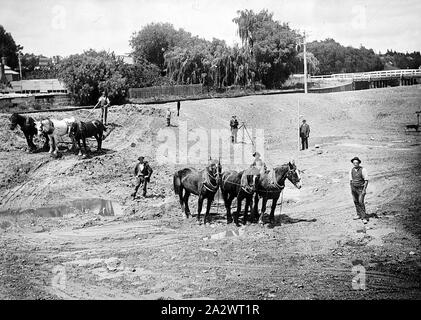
x=223 y=153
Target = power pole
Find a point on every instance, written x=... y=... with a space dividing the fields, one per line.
x=298 y=111
x=20 y=66
x=305 y=63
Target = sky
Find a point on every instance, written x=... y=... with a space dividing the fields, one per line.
x=64 y=27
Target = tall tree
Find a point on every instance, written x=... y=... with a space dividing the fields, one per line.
x=8 y=48
x=154 y=40
x=270 y=44
x=87 y=74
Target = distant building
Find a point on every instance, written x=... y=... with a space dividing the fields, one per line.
x=126 y=58
x=10 y=74
x=44 y=61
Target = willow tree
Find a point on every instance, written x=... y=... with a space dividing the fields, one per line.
x=271 y=46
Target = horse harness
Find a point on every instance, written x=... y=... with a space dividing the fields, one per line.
x=275 y=182
x=212 y=187
x=50 y=126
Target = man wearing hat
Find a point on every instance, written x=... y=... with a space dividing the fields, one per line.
x=358 y=178
x=304 y=134
x=143 y=173
x=234 y=129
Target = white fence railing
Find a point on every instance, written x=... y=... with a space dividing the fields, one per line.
x=373 y=74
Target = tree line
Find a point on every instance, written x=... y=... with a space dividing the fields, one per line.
x=269 y=53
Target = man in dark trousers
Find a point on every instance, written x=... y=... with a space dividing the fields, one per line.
x=143 y=174
x=104 y=103
x=168 y=116
x=358 y=178
x=178 y=108
x=234 y=129
x=304 y=134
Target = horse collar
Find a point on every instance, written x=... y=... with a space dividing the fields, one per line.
x=212 y=188
x=275 y=182
x=247 y=189
x=208 y=188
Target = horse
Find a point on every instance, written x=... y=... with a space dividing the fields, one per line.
x=270 y=186
x=240 y=185
x=54 y=129
x=81 y=130
x=204 y=183
x=29 y=128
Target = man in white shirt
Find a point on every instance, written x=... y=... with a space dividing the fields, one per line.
x=358 y=178
x=104 y=103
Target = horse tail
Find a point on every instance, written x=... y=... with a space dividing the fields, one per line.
x=177 y=183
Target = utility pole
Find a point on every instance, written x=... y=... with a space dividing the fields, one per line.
x=298 y=111
x=305 y=63
x=20 y=66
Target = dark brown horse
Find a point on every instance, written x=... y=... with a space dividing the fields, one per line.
x=204 y=183
x=240 y=185
x=271 y=184
x=29 y=129
x=81 y=130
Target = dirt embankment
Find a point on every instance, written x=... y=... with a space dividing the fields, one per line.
x=146 y=250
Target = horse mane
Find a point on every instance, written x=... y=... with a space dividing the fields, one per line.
x=271 y=177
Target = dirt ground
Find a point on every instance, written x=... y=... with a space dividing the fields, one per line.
x=144 y=249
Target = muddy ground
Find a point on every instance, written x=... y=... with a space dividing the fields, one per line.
x=70 y=230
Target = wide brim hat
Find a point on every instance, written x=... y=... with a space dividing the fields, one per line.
x=356 y=158
x=141 y=158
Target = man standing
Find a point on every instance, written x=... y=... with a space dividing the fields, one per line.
x=104 y=103
x=304 y=134
x=358 y=178
x=168 y=116
x=143 y=173
x=178 y=108
x=234 y=129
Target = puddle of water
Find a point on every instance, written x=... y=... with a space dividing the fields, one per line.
x=99 y=206
x=226 y=234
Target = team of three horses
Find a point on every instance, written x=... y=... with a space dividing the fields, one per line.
x=53 y=130
x=243 y=185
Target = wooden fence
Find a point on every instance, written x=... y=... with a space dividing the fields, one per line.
x=179 y=90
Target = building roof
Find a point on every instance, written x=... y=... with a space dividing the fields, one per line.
x=7 y=70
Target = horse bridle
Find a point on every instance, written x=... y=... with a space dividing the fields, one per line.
x=288 y=174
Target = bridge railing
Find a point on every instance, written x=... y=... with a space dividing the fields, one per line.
x=372 y=74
